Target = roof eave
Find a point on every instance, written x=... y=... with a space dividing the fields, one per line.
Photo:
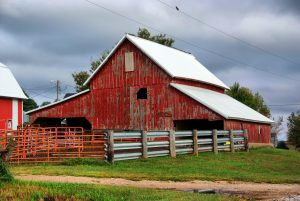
x=219 y=112
x=58 y=102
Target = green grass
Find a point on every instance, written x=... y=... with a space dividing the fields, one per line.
x=21 y=190
x=259 y=165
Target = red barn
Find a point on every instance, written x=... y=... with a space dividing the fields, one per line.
x=143 y=85
x=11 y=100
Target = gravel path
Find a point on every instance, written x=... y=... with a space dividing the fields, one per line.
x=258 y=191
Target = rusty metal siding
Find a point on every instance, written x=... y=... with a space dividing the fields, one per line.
x=257 y=132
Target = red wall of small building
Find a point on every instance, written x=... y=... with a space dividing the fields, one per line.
x=6 y=111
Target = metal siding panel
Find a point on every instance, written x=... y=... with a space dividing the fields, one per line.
x=5 y=111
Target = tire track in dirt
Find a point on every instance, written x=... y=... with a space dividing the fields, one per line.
x=249 y=190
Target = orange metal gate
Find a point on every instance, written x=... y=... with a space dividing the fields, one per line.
x=53 y=144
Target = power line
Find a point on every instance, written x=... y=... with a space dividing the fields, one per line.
x=288 y=104
x=191 y=44
x=228 y=34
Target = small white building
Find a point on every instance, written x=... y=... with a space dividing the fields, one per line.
x=11 y=100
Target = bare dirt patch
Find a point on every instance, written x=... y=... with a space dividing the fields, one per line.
x=249 y=190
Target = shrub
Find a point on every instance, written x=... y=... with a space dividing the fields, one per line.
x=5 y=175
x=281 y=145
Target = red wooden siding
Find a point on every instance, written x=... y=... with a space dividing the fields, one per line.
x=199 y=84
x=257 y=132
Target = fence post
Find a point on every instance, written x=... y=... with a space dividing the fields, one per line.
x=172 y=144
x=48 y=153
x=195 y=142
x=215 y=141
x=246 y=141
x=231 y=138
x=110 y=154
x=144 y=144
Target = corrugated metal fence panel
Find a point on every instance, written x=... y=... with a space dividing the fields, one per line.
x=128 y=145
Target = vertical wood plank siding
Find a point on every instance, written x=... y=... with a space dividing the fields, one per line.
x=262 y=136
x=112 y=101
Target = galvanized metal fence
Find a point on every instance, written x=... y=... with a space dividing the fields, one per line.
x=141 y=144
x=52 y=144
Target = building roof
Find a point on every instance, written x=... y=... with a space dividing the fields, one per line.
x=222 y=104
x=58 y=102
x=176 y=63
x=9 y=86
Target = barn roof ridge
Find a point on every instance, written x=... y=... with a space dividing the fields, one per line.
x=176 y=63
x=222 y=104
x=161 y=44
x=11 y=88
x=57 y=102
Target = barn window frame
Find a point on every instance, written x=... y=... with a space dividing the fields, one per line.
x=142 y=94
x=129 y=62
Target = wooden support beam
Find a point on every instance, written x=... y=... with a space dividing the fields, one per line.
x=172 y=144
x=195 y=142
x=110 y=152
x=215 y=141
x=246 y=140
x=231 y=138
x=144 y=145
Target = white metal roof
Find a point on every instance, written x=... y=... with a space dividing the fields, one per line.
x=57 y=102
x=9 y=86
x=175 y=62
x=222 y=104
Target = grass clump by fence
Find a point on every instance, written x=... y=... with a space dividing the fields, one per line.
x=5 y=175
x=29 y=191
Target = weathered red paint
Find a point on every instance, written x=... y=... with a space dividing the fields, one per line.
x=5 y=111
x=20 y=112
x=112 y=101
x=257 y=132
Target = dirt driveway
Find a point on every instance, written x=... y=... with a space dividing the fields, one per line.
x=258 y=191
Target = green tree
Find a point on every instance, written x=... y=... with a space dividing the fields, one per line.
x=294 y=129
x=160 y=38
x=246 y=96
x=45 y=103
x=29 y=104
x=79 y=79
x=81 y=76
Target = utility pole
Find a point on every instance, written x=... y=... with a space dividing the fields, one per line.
x=58 y=89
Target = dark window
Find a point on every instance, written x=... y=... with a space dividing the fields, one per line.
x=142 y=93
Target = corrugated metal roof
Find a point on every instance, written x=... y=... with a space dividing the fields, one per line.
x=58 y=102
x=9 y=86
x=222 y=104
x=175 y=62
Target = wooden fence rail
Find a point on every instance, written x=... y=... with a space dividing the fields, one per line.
x=141 y=144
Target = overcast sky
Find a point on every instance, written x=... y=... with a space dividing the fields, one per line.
x=49 y=40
